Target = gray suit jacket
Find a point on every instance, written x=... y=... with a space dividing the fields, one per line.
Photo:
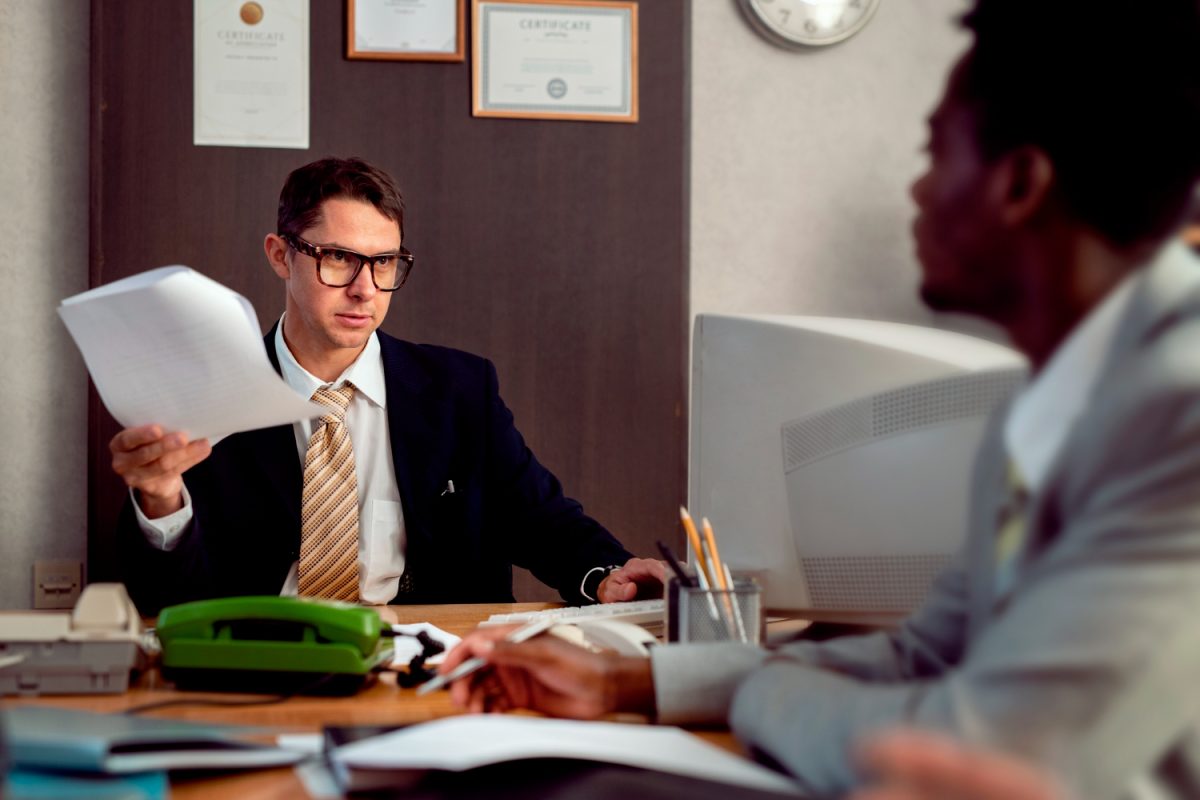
x=1062 y=668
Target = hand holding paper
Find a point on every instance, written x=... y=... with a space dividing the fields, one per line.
x=153 y=462
x=173 y=347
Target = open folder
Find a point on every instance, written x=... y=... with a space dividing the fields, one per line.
x=174 y=347
x=48 y=738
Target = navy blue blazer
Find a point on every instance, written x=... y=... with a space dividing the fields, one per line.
x=446 y=421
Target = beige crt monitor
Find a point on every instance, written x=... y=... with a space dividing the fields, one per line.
x=833 y=456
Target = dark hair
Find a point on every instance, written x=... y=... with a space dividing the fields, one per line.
x=311 y=185
x=1110 y=93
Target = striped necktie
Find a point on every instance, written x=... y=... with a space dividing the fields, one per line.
x=329 y=505
x=1010 y=532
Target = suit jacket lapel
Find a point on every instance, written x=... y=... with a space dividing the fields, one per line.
x=412 y=426
x=272 y=447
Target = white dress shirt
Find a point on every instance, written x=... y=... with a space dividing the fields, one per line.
x=1044 y=413
x=381 y=539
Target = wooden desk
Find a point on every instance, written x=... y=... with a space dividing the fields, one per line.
x=382 y=703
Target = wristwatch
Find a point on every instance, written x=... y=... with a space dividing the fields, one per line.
x=590 y=585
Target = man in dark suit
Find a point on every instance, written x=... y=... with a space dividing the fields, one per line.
x=415 y=488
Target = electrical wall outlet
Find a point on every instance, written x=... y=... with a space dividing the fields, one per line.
x=56 y=584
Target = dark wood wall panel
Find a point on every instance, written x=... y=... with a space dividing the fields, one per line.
x=557 y=249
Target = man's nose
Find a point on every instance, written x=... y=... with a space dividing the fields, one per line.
x=363 y=284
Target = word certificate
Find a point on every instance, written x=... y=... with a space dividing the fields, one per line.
x=556 y=60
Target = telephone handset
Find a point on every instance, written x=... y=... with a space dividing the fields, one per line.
x=271 y=644
x=625 y=638
x=105 y=608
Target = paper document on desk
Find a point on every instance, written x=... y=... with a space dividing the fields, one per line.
x=174 y=347
x=466 y=742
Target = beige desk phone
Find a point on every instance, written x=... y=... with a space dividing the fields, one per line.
x=89 y=650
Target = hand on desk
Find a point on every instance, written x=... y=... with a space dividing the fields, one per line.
x=549 y=675
x=153 y=463
x=639 y=578
x=913 y=765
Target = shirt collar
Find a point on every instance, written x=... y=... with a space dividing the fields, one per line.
x=1044 y=413
x=366 y=373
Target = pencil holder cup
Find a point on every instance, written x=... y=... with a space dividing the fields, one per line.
x=697 y=615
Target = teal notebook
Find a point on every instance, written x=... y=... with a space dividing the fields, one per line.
x=25 y=784
x=46 y=738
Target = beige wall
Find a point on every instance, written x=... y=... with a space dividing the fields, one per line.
x=43 y=227
x=801 y=162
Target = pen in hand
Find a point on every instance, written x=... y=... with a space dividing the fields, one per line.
x=521 y=634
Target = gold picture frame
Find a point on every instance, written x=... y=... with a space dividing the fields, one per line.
x=555 y=59
x=389 y=45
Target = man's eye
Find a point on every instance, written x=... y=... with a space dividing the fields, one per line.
x=339 y=256
x=385 y=261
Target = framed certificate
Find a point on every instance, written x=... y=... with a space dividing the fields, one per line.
x=250 y=73
x=406 y=30
x=555 y=59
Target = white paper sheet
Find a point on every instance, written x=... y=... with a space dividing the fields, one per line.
x=465 y=742
x=173 y=347
x=405 y=647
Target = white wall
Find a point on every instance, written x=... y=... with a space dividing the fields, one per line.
x=801 y=162
x=44 y=230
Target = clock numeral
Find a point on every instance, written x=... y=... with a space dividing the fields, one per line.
x=810 y=26
x=785 y=13
x=856 y=3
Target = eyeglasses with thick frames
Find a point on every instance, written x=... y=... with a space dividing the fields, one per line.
x=338 y=267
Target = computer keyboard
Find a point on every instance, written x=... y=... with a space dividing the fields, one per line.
x=647 y=613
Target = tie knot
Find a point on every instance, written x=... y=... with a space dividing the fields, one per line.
x=337 y=400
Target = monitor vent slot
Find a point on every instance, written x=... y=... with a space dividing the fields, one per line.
x=826 y=432
x=871 y=583
x=894 y=412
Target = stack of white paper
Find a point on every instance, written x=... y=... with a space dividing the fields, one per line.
x=173 y=347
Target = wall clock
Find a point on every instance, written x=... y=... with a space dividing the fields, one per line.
x=801 y=24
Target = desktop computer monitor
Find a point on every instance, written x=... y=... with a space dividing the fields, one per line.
x=833 y=456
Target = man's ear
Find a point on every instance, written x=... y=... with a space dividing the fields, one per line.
x=277 y=250
x=1026 y=176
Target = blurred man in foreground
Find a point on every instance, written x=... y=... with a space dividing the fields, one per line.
x=1059 y=177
